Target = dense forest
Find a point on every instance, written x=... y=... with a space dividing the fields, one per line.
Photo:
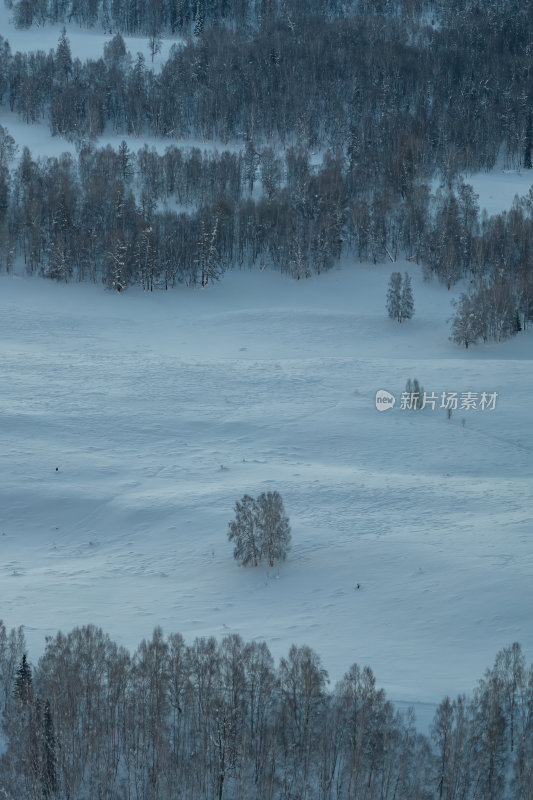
x=342 y=119
x=444 y=86
x=214 y=720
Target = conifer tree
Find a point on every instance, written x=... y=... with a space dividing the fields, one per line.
x=406 y=303
x=125 y=161
x=394 y=296
x=63 y=56
x=23 y=681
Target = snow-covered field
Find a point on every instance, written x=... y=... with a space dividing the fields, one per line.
x=162 y=410
x=498 y=189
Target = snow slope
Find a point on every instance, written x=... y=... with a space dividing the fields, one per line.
x=162 y=410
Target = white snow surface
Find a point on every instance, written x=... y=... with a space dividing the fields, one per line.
x=38 y=138
x=161 y=410
x=497 y=189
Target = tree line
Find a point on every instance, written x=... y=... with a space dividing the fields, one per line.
x=217 y=720
x=87 y=219
x=186 y=215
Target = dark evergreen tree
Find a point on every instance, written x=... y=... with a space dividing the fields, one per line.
x=63 y=57
x=394 y=296
x=23 y=690
x=407 y=308
x=126 y=162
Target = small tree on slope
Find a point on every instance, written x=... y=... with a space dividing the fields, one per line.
x=407 y=308
x=394 y=296
x=23 y=682
x=243 y=532
x=260 y=529
x=400 y=303
x=466 y=326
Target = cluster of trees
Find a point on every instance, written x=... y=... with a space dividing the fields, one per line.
x=499 y=303
x=88 y=220
x=414 y=395
x=488 y=312
x=165 y=16
x=495 y=253
x=391 y=92
x=260 y=529
x=215 y=720
x=400 y=303
x=195 y=16
x=184 y=216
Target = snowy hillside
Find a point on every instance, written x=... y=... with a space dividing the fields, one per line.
x=131 y=424
x=160 y=411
